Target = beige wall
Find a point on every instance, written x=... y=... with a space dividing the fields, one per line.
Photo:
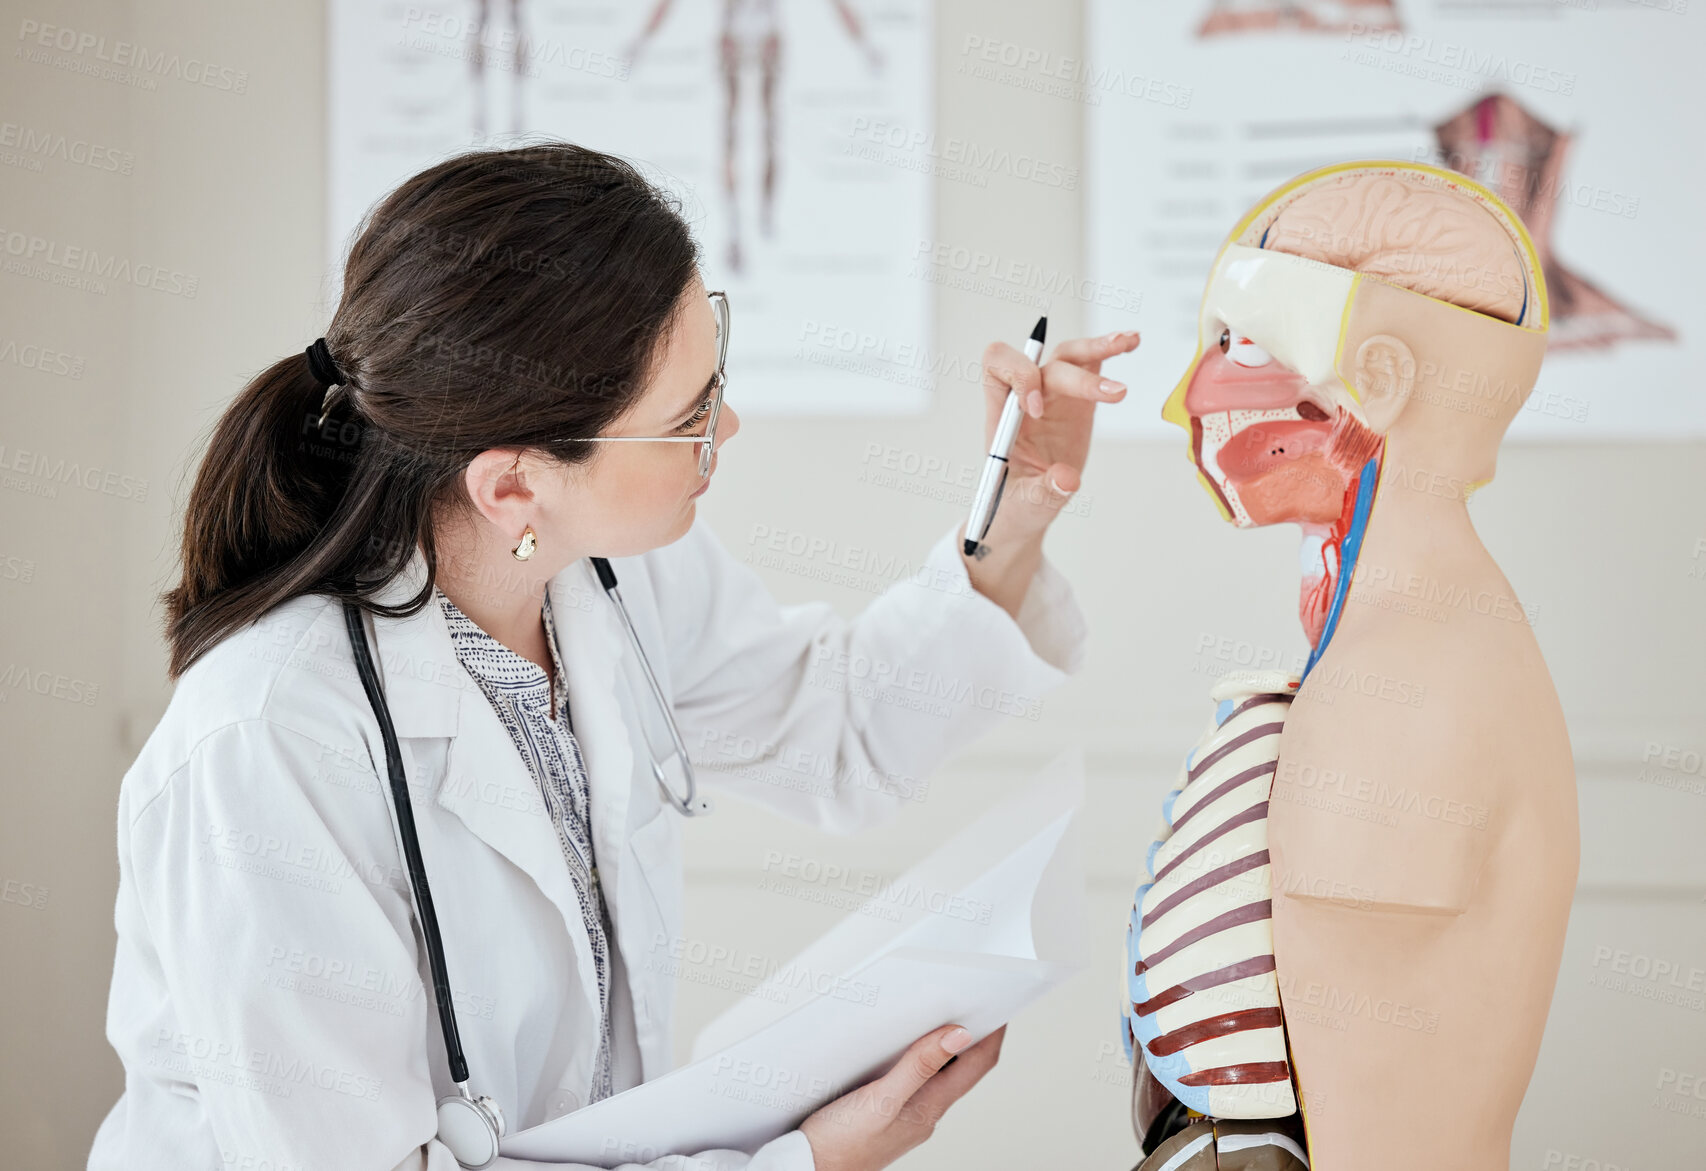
x=1603 y=540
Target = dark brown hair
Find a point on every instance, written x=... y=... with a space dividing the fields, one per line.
x=500 y=299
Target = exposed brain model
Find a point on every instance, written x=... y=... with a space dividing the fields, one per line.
x=1432 y=240
x=1367 y=333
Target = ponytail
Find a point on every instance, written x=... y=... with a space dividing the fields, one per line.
x=269 y=484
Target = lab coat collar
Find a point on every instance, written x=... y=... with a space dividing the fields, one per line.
x=430 y=694
x=486 y=783
x=424 y=683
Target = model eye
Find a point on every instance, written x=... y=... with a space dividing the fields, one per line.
x=1246 y=352
x=1225 y=339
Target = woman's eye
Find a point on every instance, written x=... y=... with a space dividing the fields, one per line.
x=697 y=417
x=1225 y=339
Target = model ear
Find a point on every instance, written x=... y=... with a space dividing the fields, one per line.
x=1385 y=372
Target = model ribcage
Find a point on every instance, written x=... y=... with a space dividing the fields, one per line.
x=1204 y=997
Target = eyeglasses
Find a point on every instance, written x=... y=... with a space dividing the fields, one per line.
x=719 y=310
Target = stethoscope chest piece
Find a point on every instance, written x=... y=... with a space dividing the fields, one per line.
x=471 y=1128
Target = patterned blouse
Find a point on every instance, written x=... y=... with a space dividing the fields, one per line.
x=534 y=708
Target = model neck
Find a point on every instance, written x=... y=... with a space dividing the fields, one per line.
x=1413 y=526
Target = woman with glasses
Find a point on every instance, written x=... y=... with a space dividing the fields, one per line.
x=400 y=558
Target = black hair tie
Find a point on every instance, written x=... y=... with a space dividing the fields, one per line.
x=321 y=366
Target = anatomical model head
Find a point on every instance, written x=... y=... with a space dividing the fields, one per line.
x=1349 y=299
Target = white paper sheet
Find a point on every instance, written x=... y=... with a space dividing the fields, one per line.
x=988 y=923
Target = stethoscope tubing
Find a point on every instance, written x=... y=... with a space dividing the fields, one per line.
x=690 y=805
x=411 y=843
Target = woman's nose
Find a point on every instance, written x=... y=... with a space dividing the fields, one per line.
x=727 y=425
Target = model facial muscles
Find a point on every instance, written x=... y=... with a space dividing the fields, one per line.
x=1275 y=451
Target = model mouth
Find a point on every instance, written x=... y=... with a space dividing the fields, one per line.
x=1272 y=465
x=1270 y=447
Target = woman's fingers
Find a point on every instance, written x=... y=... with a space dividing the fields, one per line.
x=1004 y=369
x=1074 y=371
x=949 y=1086
x=1090 y=352
x=921 y=1062
x=1064 y=479
x=1061 y=377
x=877 y=1123
x=1076 y=368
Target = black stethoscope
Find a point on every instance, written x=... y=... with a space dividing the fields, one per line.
x=471 y=1126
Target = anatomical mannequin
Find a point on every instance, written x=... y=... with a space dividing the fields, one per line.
x=1346 y=941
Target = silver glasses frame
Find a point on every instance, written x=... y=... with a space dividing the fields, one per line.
x=719 y=310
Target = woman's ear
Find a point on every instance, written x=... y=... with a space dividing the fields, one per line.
x=1384 y=371
x=497 y=484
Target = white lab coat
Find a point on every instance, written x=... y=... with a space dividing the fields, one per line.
x=267 y=997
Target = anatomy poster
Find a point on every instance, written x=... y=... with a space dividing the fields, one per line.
x=1570 y=111
x=767 y=118
x=1260 y=16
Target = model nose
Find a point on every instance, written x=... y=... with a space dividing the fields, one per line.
x=1223 y=384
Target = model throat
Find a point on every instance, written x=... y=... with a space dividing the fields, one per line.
x=1328 y=558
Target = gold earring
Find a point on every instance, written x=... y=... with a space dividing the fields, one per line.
x=528 y=544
